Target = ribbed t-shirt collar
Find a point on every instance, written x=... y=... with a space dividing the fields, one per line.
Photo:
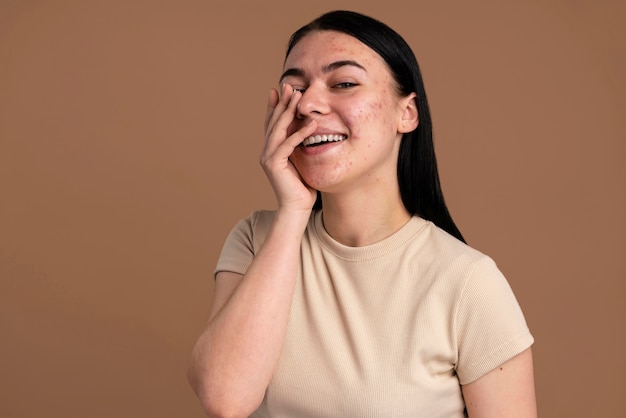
x=379 y=249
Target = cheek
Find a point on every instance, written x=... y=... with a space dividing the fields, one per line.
x=370 y=115
x=361 y=111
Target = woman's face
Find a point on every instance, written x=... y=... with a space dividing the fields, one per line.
x=350 y=92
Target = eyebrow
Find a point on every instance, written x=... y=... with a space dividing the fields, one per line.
x=297 y=72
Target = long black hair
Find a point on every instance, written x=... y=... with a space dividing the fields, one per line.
x=418 y=177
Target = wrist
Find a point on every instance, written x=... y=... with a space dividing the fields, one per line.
x=292 y=219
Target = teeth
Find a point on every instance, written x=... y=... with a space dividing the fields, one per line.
x=316 y=139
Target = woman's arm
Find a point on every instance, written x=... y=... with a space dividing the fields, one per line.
x=234 y=359
x=508 y=391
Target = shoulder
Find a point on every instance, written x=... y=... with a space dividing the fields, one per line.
x=244 y=241
x=476 y=270
x=256 y=219
x=254 y=227
x=475 y=276
x=450 y=251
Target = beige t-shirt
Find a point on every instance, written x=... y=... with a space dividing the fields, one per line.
x=386 y=330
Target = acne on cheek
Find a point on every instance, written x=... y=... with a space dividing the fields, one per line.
x=373 y=110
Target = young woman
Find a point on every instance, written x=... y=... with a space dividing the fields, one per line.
x=357 y=296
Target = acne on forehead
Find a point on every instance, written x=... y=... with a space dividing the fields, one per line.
x=336 y=47
x=332 y=42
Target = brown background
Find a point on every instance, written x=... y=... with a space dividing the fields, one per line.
x=129 y=137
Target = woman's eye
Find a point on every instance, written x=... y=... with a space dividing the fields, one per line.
x=300 y=89
x=345 y=85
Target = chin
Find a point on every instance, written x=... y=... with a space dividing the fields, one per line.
x=324 y=182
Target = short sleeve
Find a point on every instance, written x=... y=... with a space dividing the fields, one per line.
x=490 y=325
x=243 y=243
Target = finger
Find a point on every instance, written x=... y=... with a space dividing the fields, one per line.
x=282 y=103
x=289 y=145
x=278 y=128
x=280 y=156
x=286 y=91
x=272 y=102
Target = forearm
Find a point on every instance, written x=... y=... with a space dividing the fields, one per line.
x=235 y=357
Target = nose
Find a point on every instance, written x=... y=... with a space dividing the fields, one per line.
x=313 y=101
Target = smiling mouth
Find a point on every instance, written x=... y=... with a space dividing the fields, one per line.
x=315 y=140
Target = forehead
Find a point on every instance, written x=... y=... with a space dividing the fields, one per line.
x=319 y=48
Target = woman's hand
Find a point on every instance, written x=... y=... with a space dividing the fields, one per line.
x=291 y=191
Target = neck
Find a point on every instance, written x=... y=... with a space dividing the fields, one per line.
x=363 y=218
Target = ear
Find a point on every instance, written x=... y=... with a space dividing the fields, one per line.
x=410 y=117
